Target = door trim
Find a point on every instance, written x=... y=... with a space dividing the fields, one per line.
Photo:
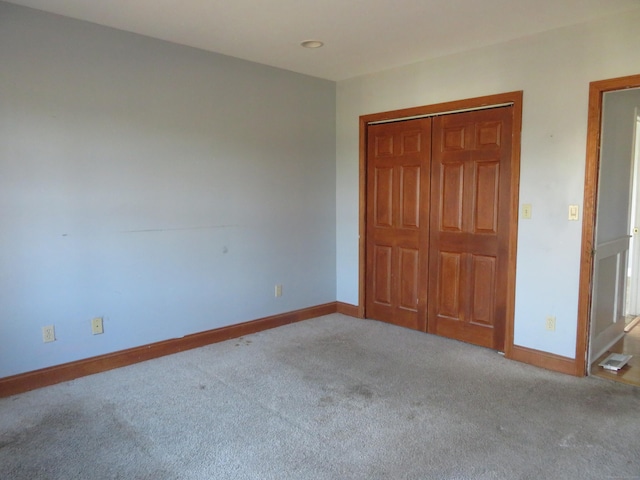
x=596 y=92
x=489 y=101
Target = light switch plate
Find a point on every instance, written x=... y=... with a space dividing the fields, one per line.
x=574 y=212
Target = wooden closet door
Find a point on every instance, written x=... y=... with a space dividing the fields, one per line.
x=469 y=228
x=398 y=166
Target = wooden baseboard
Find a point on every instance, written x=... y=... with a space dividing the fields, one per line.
x=546 y=360
x=348 y=309
x=68 y=371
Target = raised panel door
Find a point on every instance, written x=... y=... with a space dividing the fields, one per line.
x=398 y=166
x=469 y=226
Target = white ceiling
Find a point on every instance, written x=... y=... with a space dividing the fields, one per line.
x=361 y=36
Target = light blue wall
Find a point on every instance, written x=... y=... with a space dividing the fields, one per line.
x=169 y=189
x=554 y=70
x=165 y=188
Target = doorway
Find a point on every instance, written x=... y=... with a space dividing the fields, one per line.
x=606 y=226
x=438 y=230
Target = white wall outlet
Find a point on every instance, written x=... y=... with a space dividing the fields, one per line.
x=550 y=324
x=278 y=291
x=96 y=326
x=48 y=334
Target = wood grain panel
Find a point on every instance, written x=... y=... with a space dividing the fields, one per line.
x=488 y=134
x=453 y=139
x=449 y=285
x=450 y=203
x=486 y=199
x=409 y=268
x=383 y=145
x=384 y=197
x=382 y=274
x=411 y=142
x=410 y=196
x=483 y=274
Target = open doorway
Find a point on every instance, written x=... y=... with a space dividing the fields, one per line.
x=629 y=341
x=609 y=281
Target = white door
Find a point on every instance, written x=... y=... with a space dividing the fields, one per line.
x=633 y=291
x=612 y=227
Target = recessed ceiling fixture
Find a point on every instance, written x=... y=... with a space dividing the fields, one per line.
x=312 y=44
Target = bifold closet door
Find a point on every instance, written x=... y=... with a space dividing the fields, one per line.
x=437 y=236
x=398 y=173
x=469 y=227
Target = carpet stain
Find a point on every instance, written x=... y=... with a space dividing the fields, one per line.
x=101 y=444
x=6 y=441
x=360 y=390
x=326 y=400
x=242 y=341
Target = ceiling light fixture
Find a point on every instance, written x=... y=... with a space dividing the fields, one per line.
x=312 y=44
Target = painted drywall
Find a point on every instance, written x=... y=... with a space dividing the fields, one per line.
x=554 y=70
x=164 y=188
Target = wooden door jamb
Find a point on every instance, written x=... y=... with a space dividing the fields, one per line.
x=596 y=91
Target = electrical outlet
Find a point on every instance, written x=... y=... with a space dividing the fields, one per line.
x=48 y=334
x=551 y=324
x=278 y=291
x=96 y=326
